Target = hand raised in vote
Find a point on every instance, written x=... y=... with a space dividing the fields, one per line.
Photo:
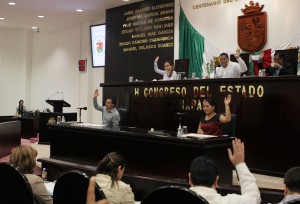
x=227 y=99
x=237 y=53
x=156 y=59
x=96 y=93
x=262 y=55
x=90 y=198
x=238 y=155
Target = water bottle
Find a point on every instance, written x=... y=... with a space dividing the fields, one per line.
x=179 y=132
x=44 y=174
x=260 y=73
x=63 y=119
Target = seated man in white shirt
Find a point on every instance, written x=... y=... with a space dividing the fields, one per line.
x=203 y=178
x=291 y=185
x=229 y=69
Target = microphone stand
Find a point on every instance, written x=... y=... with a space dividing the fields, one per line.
x=80 y=115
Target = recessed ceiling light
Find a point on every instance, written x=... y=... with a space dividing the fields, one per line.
x=34 y=27
x=79 y=10
x=41 y=16
x=125 y=0
x=12 y=3
x=2 y=19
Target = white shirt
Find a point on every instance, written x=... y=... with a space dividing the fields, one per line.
x=164 y=73
x=249 y=190
x=232 y=70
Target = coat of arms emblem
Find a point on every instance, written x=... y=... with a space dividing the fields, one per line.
x=252 y=28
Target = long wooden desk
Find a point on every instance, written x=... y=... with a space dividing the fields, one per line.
x=166 y=157
x=267 y=111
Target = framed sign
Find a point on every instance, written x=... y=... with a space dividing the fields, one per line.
x=97 y=33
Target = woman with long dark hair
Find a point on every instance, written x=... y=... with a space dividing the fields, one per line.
x=108 y=176
x=21 y=109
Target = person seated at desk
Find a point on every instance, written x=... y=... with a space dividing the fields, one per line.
x=21 y=109
x=24 y=157
x=108 y=176
x=169 y=73
x=291 y=185
x=229 y=69
x=279 y=67
x=211 y=123
x=203 y=178
x=110 y=115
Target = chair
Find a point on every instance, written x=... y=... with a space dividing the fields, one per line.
x=123 y=116
x=71 y=187
x=14 y=186
x=174 y=195
x=230 y=128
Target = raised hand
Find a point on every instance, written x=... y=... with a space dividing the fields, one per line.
x=237 y=53
x=262 y=55
x=227 y=99
x=156 y=59
x=238 y=155
x=96 y=93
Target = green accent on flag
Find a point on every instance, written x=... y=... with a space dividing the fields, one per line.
x=191 y=45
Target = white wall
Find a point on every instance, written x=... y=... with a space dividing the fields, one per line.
x=14 y=69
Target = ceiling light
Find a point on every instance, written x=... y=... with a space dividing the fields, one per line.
x=41 y=16
x=2 y=19
x=12 y=3
x=79 y=10
x=125 y=0
x=34 y=27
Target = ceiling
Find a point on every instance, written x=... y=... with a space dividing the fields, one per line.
x=59 y=14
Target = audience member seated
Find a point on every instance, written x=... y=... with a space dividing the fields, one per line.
x=24 y=157
x=203 y=178
x=90 y=198
x=291 y=185
x=211 y=123
x=278 y=67
x=108 y=174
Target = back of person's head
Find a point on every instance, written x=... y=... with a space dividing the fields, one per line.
x=224 y=54
x=110 y=165
x=292 y=179
x=204 y=171
x=24 y=156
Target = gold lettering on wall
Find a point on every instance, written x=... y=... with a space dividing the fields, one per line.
x=150 y=27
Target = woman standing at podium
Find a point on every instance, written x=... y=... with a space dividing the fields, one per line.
x=168 y=73
x=21 y=109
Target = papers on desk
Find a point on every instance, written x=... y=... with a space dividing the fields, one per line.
x=49 y=186
x=199 y=136
x=89 y=125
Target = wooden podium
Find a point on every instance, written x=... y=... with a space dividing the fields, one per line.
x=58 y=105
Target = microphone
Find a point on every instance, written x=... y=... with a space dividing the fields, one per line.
x=53 y=95
x=84 y=108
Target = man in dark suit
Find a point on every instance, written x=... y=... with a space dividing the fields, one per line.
x=278 y=67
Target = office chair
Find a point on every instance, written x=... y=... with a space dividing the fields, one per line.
x=230 y=128
x=174 y=195
x=123 y=116
x=71 y=187
x=14 y=186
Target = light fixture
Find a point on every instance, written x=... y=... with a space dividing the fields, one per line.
x=125 y=0
x=12 y=3
x=2 y=19
x=40 y=16
x=79 y=10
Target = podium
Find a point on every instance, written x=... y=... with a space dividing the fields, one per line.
x=58 y=105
